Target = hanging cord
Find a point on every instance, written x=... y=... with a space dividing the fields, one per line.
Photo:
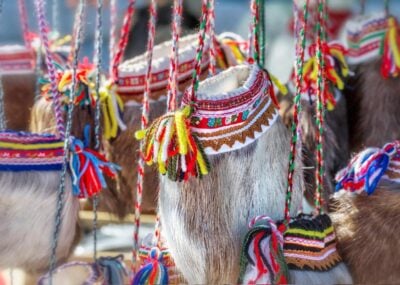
x=387 y=2
x=362 y=7
x=24 y=22
x=97 y=58
x=123 y=40
x=254 y=46
x=211 y=33
x=200 y=49
x=113 y=32
x=300 y=51
x=39 y=4
x=321 y=40
x=172 y=88
x=55 y=15
x=145 y=120
x=3 y=123
x=262 y=39
x=40 y=10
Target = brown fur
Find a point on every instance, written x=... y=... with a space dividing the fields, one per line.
x=368 y=228
x=373 y=107
x=19 y=93
x=336 y=148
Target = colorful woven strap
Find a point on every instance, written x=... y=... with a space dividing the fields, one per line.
x=172 y=87
x=300 y=51
x=144 y=120
x=321 y=85
x=113 y=33
x=211 y=33
x=200 y=49
x=39 y=5
x=23 y=15
x=123 y=40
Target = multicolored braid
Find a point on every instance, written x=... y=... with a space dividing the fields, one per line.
x=319 y=173
x=144 y=119
x=200 y=49
x=172 y=86
x=123 y=40
x=300 y=50
x=113 y=32
x=211 y=33
x=24 y=22
x=39 y=4
x=254 y=47
x=261 y=35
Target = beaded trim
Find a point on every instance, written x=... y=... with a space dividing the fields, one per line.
x=20 y=151
x=131 y=73
x=310 y=243
x=16 y=59
x=365 y=35
x=236 y=118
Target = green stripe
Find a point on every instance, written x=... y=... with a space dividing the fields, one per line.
x=367 y=38
x=310 y=233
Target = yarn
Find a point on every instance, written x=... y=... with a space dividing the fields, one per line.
x=366 y=169
x=391 y=51
x=170 y=144
x=262 y=260
x=87 y=169
x=300 y=51
x=172 y=87
x=310 y=243
x=336 y=69
x=123 y=40
x=154 y=271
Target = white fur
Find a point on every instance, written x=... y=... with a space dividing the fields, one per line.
x=27 y=213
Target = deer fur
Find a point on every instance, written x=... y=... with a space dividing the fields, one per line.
x=19 y=93
x=336 y=141
x=27 y=208
x=367 y=228
x=373 y=107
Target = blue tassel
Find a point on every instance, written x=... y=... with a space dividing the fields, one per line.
x=153 y=272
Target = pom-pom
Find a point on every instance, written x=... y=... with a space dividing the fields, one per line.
x=170 y=143
x=88 y=169
x=391 y=53
x=262 y=260
x=366 y=169
x=153 y=271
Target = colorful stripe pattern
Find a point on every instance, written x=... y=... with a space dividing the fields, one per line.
x=20 y=151
x=232 y=120
x=365 y=35
x=132 y=73
x=310 y=243
x=366 y=169
x=15 y=59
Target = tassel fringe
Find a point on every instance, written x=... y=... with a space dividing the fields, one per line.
x=391 y=52
x=170 y=144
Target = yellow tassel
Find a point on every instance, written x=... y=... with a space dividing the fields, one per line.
x=202 y=163
x=139 y=135
x=339 y=81
x=282 y=88
x=65 y=80
x=393 y=40
x=344 y=66
x=181 y=130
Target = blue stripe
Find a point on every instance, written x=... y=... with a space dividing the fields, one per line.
x=31 y=167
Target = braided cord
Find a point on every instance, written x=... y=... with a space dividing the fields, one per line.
x=145 y=119
x=97 y=57
x=262 y=39
x=200 y=49
x=211 y=33
x=113 y=32
x=123 y=40
x=39 y=4
x=2 y=115
x=300 y=51
x=55 y=16
x=321 y=36
x=387 y=2
x=172 y=88
x=24 y=22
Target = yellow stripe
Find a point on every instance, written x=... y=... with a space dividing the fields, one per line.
x=31 y=146
x=311 y=233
